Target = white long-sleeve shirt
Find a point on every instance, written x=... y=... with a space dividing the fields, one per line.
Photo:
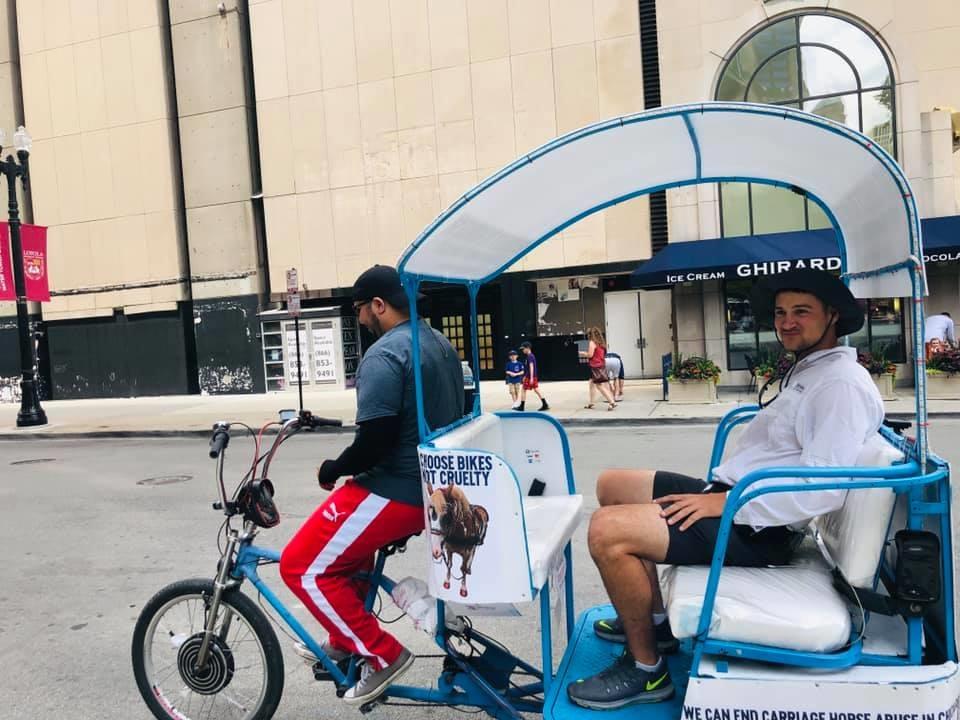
x=823 y=416
x=939 y=327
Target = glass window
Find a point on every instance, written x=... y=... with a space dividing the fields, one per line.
x=775 y=209
x=825 y=65
x=777 y=80
x=749 y=339
x=851 y=41
x=735 y=208
x=825 y=72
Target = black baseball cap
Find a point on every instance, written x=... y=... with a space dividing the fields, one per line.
x=819 y=283
x=382 y=281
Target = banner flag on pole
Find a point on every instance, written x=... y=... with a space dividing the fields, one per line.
x=35 y=276
x=7 y=289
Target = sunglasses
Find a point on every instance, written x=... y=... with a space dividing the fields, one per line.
x=358 y=305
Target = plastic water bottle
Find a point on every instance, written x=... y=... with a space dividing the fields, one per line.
x=413 y=597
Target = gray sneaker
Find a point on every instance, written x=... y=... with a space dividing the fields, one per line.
x=621 y=684
x=373 y=683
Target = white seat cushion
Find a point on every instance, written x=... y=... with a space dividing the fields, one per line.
x=550 y=524
x=855 y=534
x=792 y=607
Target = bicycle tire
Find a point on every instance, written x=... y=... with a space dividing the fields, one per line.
x=239 y=604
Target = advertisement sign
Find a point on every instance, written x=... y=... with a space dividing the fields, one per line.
x=477 y=544
x=324 y=361
x=7 y=290
x=292 y=356
x=33 y=238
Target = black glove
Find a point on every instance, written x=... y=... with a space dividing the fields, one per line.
x=327 y=474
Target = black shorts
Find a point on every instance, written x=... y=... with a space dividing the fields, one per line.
x=746 y=547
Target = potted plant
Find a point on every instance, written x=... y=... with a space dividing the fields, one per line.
x=693 y=380
x=943 y=374
x=882 y=371
x=772 y=365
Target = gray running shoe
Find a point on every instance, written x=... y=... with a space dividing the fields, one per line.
x=621 y=684
x=373 y=683
x=611 y=629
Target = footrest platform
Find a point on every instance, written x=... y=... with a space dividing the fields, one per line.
x=587 y=655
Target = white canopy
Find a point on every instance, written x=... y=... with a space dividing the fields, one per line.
x=859 y=186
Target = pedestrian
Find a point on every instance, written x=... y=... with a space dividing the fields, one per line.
x=531 y=378
x=514 y=373
x=615 y=373
x=939 y=333
x=597 y=362
x=827 y=409
x=381 y=501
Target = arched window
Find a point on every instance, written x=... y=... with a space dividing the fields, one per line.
x=822 y=64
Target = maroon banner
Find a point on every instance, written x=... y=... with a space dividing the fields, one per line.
x=34 y=241
x=7 y=289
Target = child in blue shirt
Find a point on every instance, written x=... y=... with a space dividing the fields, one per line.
x=515 y=372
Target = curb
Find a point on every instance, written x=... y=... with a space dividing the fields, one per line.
x=566 y=422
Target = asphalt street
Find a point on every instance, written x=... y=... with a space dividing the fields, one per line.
x=93 y=528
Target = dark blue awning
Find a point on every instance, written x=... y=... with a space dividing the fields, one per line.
x=754 y=256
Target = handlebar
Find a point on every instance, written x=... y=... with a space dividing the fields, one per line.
x=309 y=420
x=220 y=439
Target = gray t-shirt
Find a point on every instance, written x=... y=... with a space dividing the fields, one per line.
x=385 y=386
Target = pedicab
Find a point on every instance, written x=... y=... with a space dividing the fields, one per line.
x=859 y=627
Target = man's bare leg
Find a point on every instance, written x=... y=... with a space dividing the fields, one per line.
x=625 y=541
x=625 y=487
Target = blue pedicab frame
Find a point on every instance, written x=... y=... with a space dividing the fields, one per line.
x=922 y=477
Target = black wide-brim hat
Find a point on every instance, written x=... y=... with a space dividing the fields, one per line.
x=819 y=283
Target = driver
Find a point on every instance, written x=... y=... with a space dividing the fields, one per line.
x=381 y=501
x=827 y=408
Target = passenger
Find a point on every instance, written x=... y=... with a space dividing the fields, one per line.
x=827 y=408
x=381 y=501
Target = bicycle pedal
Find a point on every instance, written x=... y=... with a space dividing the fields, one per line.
x=321 y=674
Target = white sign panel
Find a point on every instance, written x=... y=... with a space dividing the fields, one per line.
x=292 y=356
x=293 y=282
x=478 y=550
x=324 y=359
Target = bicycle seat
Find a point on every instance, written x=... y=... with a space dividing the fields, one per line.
x=398 y=546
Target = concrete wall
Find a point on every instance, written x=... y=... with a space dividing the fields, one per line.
x=95 y=101
x=215 y=151
x=375 y=115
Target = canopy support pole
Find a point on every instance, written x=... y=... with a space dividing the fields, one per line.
x=472 y=289
x=411 y=287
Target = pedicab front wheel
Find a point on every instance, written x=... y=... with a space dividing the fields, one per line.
x=243 y=676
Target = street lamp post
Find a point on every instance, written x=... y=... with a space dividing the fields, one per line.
x=30 y=411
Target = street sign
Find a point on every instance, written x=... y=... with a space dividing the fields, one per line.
x=293 y=282
x=293 y=304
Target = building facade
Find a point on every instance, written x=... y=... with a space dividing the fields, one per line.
x=188 y=153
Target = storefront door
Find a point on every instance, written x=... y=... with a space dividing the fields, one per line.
x=638 y=329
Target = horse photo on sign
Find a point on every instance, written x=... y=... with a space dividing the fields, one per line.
x=461 y=527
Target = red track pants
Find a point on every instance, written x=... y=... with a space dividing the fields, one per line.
x=335 y=544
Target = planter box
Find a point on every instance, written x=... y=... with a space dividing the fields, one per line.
x=692 y=391
x=884 y=384
x=943 y=386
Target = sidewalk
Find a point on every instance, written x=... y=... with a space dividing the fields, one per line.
x=195 y=414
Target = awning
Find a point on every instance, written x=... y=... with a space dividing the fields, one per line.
x=941 y=239
x=760 y=255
